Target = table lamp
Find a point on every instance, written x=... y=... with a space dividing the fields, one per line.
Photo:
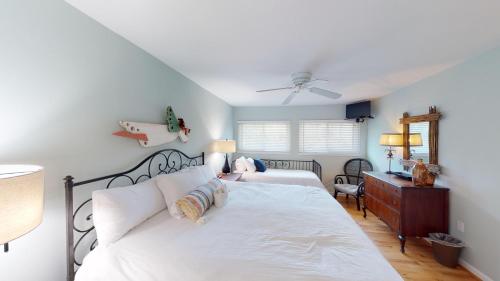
x=225 y=146
x=21 y=201
x=391 y=140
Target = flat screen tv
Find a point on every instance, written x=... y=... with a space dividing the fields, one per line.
x=359 y=110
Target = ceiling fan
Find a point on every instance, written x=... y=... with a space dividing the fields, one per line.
x=303 y=81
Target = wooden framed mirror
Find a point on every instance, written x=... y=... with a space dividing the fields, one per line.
x=420 y=137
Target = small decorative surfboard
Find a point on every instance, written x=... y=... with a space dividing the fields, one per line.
x=149 y=135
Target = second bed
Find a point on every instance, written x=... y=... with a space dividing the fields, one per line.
x=297 y=172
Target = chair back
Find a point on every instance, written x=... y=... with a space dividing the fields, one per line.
x=354 y=168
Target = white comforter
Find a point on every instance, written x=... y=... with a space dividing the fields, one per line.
x=271 y=232
x=282 y=176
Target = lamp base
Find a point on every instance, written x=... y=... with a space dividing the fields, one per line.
x=389 y=156
x=226 y=169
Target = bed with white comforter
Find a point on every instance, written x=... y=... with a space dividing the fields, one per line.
x=265 y=232
x=282 y=176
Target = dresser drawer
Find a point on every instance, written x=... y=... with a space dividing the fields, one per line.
x=370 y=203
x=370 y=180
x=395 y=191
x=390 y=217
x=393 y=201
x=390 y=196
x=384 y=192
x=373 y=187
x=382 y=211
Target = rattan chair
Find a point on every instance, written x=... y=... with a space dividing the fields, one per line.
x=351 y=182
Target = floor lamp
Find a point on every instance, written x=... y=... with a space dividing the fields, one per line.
x=21 y=201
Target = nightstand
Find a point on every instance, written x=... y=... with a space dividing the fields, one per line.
x=230 y=177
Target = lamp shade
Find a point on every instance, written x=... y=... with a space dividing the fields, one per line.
x=416 y=139
x=21 y=200
x=225 y=146
x=391 y=139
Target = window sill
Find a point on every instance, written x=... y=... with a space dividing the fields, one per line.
x=264 y=152
x=330 y=154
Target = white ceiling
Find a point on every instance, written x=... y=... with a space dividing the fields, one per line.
x=365 y=49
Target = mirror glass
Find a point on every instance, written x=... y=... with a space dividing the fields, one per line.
x=419 y=141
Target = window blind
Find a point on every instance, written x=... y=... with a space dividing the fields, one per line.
x=423 y=129
x=264 y=136
x=329 y=137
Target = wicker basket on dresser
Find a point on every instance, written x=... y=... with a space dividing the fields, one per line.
x=408 y=210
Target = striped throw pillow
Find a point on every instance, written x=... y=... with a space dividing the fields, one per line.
x=197 y=202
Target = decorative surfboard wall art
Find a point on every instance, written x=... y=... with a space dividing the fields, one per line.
x=150 y=135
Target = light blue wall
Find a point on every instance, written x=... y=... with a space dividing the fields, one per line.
x=331 y=165
x=468 y=95
x=65 y=81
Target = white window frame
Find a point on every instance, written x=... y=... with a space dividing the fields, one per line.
x=287 y=122
x=357 y=153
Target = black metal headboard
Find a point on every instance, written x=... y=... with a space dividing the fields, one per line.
x=161 y=162
x=306 y=165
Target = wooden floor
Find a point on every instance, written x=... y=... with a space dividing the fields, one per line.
x=417 y=263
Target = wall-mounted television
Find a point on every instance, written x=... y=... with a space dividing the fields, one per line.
x=358 y=111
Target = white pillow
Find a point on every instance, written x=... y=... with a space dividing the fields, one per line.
x=240 y=165
x=250 y=165
x=220 y=196
x=176 y=185
x=118 y=210
x=206 y=171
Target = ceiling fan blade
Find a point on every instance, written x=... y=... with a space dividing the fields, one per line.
x=275 y=89
x=324 y=93
x=289 y=98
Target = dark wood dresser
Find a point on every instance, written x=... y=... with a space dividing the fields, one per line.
x=408 y=210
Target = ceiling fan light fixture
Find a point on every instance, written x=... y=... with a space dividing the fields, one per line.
x=301 y=81
x=301 y=78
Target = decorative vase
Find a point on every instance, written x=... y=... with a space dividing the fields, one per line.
x=421 y=175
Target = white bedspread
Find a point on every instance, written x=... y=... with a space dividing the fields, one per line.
x=282 y=176
x=272 y=232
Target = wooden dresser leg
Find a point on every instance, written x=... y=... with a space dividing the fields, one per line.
x=402 y=240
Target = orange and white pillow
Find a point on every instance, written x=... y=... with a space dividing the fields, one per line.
x=197 y=202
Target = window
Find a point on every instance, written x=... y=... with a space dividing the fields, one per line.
x=329 y=137
x=264 y=136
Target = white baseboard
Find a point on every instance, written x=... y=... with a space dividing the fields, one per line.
x=474 y=270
